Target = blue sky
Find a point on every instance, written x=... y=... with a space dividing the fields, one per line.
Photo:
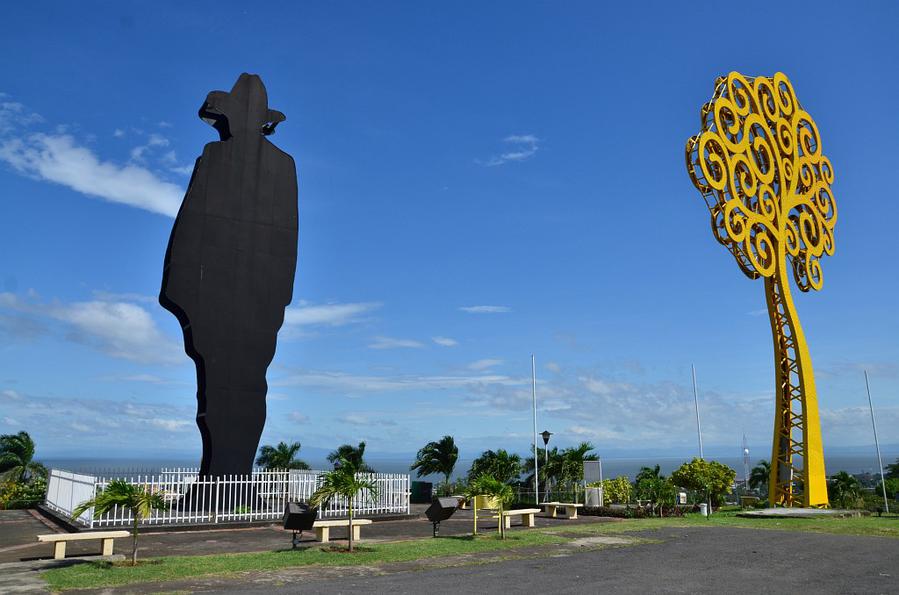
x=477 y=182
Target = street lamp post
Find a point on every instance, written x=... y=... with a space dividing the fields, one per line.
x=545 y=434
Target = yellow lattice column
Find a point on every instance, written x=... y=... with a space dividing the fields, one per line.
x=758 y=163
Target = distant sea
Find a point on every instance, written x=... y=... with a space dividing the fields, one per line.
x=611 y=467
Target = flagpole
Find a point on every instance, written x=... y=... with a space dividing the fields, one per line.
x=883 y=483
x=696 y=405
x=536 y=461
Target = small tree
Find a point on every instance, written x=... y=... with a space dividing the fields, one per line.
x=437 y=457
x=845 y=490
x=651 y=485
x=17 y=458
x=352 y=454
x=617 y=490
x=139 y=499
x=486 y=485
x=710 y=478
x=343 y=481
x=758 y=477
x=282 y=456
x=499 y=464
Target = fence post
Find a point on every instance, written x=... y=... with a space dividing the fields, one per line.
x=215 y=503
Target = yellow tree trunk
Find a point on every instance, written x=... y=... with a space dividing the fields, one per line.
x=797 y=458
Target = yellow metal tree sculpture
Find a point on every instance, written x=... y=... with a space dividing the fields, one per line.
x=758 y=163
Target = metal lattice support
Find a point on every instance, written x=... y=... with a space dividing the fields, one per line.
x=759 y=166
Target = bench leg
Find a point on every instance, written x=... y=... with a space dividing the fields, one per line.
x=552 y=511
x=59 y=550
x=107 y=546
x=323 y=534
x=357 y=532
x=529 y=520
x=572 y=512
x=507 y=521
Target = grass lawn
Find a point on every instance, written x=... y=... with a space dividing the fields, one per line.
x=104 y=574
x=885 y=526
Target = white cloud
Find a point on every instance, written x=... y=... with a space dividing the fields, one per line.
x=553 y=367
x=297 y=417
x=118 y=133
x=484 y=364
x=59 y=159
x=108 y=296
x=120 y=329
x=522 y=147
x=361 y=419
x=349 y=383
x=486 y=309
x=328 y=314
x=445 y=341
x=392 y=343
x=184 y=170
x=14 y=115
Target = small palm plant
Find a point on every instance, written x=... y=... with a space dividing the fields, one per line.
x=139 y=499
x=487 y=485
x=845 y=490
x=17 y=458
x=280 y=457
x=438 y=457
x=758 y=477
x=345 y=482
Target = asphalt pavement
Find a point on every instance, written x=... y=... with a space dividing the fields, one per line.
x=691 y=560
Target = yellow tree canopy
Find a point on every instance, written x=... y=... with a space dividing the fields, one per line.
x=758 y=163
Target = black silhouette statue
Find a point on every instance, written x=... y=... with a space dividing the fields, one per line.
x=229 y=269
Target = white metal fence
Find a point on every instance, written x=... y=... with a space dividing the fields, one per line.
x=192 y=499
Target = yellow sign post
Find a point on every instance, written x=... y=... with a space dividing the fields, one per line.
x=759 y=165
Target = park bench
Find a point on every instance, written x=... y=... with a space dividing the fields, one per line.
x=552 y=508
x=323 y=528
x=526 y=514
x=59 y=540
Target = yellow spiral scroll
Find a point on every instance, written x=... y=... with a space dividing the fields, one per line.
x=759 y=165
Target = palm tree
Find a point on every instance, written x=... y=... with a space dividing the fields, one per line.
x=845 y=490
x=892 y=470
x=499 y=464
x=17 y=458
x=343 y=481
x=486 y=485
x=353 y=454
x=437 y=457
x=758 y=477
x=280 y=457
x=139 y=499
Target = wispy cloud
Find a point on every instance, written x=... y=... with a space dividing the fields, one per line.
x=119 y=329
x=521 y=147
x=392 y=343
x=59 y=158
x=93 y=423
x=363 y=384
x=486 y=309
x=484 y=364
x=444 y=341
x=328 y=314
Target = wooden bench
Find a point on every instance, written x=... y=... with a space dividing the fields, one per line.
x=323 y=528
x=552 y=509
x=59 y=540
x=526 y=514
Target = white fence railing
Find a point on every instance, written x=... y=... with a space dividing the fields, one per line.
x=192 y=499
